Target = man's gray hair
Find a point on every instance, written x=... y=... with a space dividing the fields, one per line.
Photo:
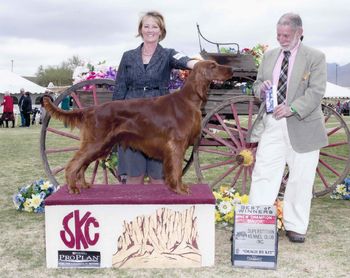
x=291 y=19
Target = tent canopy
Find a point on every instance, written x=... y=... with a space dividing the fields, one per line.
x=335 y=91
x=13 y=82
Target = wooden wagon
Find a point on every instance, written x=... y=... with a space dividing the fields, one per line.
x=222 y=154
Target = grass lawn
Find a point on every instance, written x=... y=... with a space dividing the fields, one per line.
x=22 y=241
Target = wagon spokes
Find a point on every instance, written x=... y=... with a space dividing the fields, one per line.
x=58 y=144
x=334 y=161
x=222 y=155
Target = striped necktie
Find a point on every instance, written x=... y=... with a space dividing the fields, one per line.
x=282 y=82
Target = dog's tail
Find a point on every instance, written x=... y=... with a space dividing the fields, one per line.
x=72 y=118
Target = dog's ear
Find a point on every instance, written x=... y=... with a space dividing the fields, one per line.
x=202 y=78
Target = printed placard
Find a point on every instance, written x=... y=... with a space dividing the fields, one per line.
x=79 y=259
x=271 y=99
x=255 y=238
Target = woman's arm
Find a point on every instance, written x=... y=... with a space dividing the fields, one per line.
x=191 y=63
x=120 y=85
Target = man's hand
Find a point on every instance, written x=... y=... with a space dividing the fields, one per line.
x=266 y=85
x=282 y=111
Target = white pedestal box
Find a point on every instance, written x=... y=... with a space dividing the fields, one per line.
x=130 y=226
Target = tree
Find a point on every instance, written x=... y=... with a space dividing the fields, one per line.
x=59 y=75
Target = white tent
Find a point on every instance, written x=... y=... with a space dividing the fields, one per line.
x=13 y=82
x=335 y=91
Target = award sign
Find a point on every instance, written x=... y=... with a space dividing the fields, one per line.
x=255 y=238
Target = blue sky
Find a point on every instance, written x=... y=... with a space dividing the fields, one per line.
x=36 y=32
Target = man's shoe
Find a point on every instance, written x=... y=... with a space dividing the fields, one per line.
x=295 y=237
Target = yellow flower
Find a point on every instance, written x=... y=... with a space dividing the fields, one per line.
x=27 y=206
x=226 y=199
x=218 y=216
x=245 y=199
x=236 y=195
x=223 y=188
x=216 y=195
x=35 y=201
x=229 y=217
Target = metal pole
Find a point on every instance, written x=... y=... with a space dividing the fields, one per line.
x=11 y=65
x=336 y=74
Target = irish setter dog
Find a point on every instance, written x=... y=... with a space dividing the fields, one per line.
x=161 y=127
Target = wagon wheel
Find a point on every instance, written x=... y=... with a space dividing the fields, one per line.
x=222 y=155
x=57 y=143
x=221 y=150
x=334 y=162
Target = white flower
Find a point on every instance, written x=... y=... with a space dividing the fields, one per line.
x=236 y=201
x=79 y=72
x=45 y=185
x=231 y=192
x=35 y=201
x=341 y=189
x=225 y=207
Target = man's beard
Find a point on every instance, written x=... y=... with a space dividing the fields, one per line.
x=292 y=44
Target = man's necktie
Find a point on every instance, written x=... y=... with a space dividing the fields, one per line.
x=282 y=82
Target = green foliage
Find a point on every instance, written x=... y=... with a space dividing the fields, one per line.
x=60 y=75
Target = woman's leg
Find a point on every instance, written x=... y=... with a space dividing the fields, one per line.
x=135 y=166
x=155 y=171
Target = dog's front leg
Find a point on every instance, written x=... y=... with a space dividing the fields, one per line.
x=81 y=177
x=71 y=177
x=173 y=170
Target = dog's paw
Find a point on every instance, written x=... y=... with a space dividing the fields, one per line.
x=183 y=189
x=73 y=190
x=86 y=185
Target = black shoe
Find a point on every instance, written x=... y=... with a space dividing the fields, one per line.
x=295 y=237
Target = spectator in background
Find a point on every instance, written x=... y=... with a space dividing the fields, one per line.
x=27 y=108
x=7 y=114
x=65 y=104
x=20 y=102
x=42 y=108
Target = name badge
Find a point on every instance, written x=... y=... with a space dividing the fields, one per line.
x=178 y=56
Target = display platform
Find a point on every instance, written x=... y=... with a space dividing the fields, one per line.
x=130 y=226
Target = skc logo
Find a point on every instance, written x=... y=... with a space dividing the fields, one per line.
x=82 y=234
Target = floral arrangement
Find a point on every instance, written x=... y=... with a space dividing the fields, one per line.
x=110 y=163
x=177 y=79
x=227 y=198
x=31 y=197
x=257 y=52
x=342 y=191
x=246 y=87
x=90 y=71
x=279 y=207
x=228 y=50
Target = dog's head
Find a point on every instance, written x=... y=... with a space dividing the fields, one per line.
x=204 y=72
x=210 y=70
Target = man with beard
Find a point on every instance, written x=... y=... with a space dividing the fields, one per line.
x=292 y=131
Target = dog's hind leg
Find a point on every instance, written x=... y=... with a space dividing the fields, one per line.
x=90 y=154
x=75 y=170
